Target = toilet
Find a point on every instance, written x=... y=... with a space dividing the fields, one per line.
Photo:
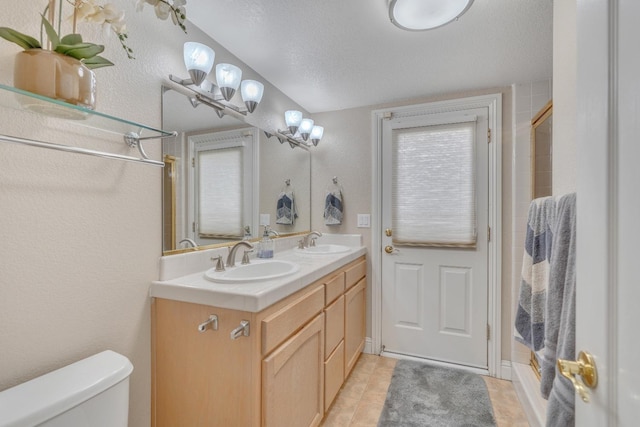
x=91 y=392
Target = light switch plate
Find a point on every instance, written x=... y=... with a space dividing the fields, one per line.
x=364 y=221
x=265 y=219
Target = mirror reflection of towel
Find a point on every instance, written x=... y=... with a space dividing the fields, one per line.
x=333 y=208
x=286 y=208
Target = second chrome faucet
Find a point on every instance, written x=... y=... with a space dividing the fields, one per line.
x=309 y=239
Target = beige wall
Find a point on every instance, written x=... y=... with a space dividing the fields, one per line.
x=565 y=145
x=82 y=235
x=345 y=152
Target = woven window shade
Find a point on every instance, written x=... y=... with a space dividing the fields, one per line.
x=220 y=190
x=434 y=200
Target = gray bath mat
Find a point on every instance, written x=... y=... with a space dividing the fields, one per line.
x=425 y=395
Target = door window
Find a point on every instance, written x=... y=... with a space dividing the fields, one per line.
x=433 y=180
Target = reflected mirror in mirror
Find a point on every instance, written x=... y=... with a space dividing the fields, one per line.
x=224 y=179
x=541 y=152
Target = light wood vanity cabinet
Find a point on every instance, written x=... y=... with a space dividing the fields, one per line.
x=286 y=372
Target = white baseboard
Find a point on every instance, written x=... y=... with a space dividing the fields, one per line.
x=527 y=388
x=505 y=370
x=368 y=346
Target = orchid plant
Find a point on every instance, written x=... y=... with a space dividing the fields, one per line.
x=107 y=15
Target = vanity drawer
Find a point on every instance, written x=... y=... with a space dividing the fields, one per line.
x=354 y=273
x=333 y=375
x=284 y=322
x=334 y=325
x=334 y=287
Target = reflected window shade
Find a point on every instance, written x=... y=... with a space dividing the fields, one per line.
x=220 y=193
x=434 y=201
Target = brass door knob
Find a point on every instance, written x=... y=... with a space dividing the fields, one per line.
x=585 y=367
x=389 y=249
x=388 y=232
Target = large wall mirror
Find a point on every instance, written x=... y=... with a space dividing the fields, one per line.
x=223 y=179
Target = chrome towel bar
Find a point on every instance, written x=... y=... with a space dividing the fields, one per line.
x=78 y=150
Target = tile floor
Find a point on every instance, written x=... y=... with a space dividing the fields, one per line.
x=360 y=401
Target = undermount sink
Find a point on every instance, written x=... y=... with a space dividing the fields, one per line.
x=256 y=271
x=326 y=249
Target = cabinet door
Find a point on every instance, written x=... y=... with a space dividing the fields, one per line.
x=293 y=379
x=354 y=324
x=201 y=378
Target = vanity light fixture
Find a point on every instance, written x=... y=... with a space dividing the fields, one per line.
x=306 y=125
x=299 y=130
x=292 y=118
x=252 y=92
x=418 y=15
x=228 y=78
x=316 y=135
x=198 y=59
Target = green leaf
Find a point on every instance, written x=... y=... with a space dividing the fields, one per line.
x=81 y=51
x=51 y=33
x=71 y=39
x=22 y=40
x=97 y=62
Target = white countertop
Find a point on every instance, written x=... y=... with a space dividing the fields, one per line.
x=253 y=296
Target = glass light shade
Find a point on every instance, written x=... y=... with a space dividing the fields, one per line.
x=305 y=128
x=416 y=15
x=251 y=93
x=293 y=118
x=228 y=77
x=198 y=59
x=316 y=134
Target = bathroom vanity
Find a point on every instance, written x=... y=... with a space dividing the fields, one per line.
x=284 y=367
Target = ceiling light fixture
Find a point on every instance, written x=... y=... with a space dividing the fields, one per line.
x=418 y=15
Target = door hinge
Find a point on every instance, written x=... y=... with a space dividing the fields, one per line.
x=193 y=226
x=488 y=332
x=193 y=162
x=488 y=234
x=489 y=135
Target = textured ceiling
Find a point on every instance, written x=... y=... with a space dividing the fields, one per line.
x=335 y=54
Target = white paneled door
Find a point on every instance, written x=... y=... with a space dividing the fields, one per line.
x=435 y=194
x=608 y=212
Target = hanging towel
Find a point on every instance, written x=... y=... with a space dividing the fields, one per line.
x=529 y=323
x=560 y=326
x=333 y=207
x=286 y=213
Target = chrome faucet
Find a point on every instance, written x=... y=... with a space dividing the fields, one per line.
x=231 y=259
x=308 y=240
x=189 y=242
x=272 y=232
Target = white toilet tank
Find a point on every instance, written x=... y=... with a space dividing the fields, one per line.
x=92 y=392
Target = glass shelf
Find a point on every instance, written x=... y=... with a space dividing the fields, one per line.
x=21 y=100
x=130 y=132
